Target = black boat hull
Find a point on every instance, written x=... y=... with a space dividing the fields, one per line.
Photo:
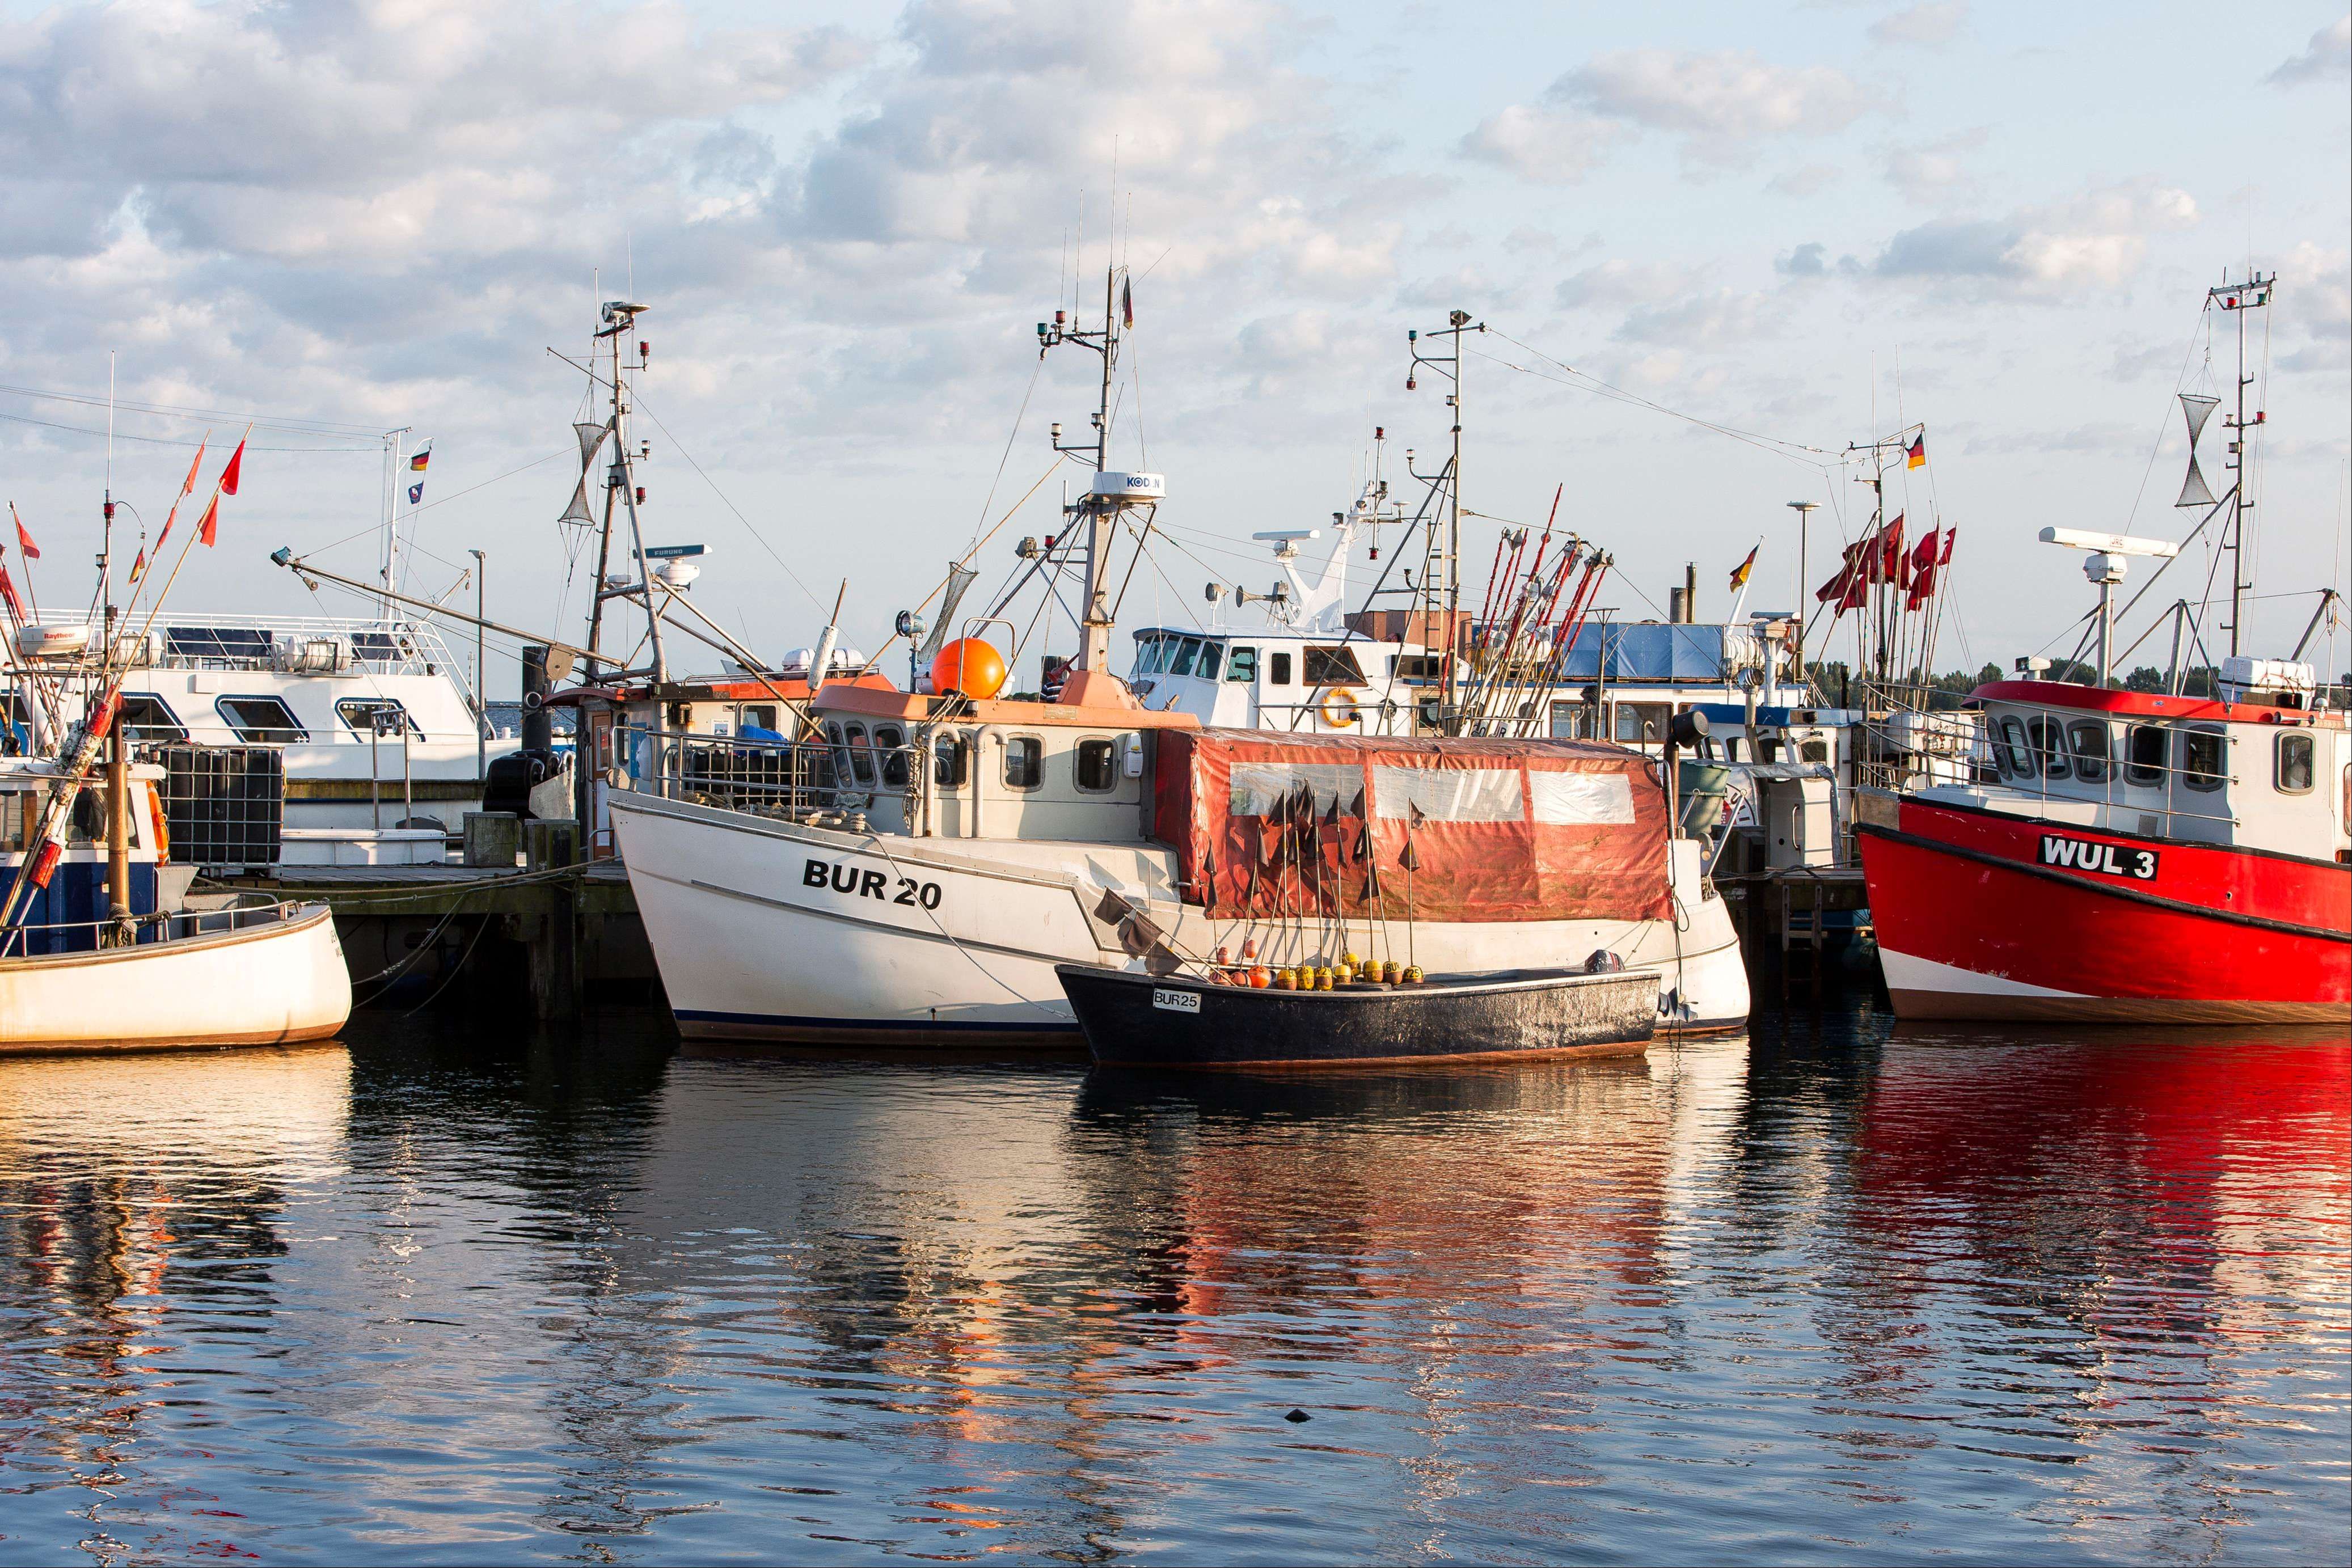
x=1136 y=1020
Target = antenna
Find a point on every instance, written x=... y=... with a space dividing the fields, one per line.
x=2252 y=294
x=2105 y=566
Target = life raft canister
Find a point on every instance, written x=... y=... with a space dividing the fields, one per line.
x=1339 y=708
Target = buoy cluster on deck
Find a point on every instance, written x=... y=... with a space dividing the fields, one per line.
x=1317 y=975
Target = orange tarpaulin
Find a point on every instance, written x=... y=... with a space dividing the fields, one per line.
x=1268 y=824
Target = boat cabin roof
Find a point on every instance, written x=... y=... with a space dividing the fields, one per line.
x=2149 y=704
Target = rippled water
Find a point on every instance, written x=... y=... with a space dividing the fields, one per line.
x=1843 y=1292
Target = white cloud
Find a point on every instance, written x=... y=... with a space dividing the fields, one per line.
x=1720 y=103
x=2096 y=239
x=1541 y=144
x=1720 y=106
x=2328 y=57
x=1937 y=170
x=1925 y=25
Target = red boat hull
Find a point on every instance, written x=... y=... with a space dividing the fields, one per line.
x=1981 y=914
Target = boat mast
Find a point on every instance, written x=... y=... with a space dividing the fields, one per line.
x=2252 y=294
x=388 y=561
x=1448 y=591
x=620 y=317
x=1095 y=623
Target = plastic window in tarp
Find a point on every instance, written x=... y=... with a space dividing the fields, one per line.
x=1566 y=799
x=1448 y=795
x=1259 y=788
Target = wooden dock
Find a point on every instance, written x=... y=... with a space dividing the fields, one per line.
x=1800 y=912
x=561 y=931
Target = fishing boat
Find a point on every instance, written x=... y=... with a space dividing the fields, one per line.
x=955 y=845
x=2128 y=856
x=1179 y=1021
x=100 y=949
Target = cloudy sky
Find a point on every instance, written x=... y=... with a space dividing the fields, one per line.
x=1813 y=224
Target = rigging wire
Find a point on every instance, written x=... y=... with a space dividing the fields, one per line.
x=646 y=409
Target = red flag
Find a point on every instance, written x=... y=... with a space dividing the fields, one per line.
x=24 y=540
x=1923 y=571
x=8 y=593
x=229 y=473
x=210 y=522
x=188 y=485
x=1946 y=558
x=1887 y=566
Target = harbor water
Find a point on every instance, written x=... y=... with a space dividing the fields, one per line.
x=1839 y=1291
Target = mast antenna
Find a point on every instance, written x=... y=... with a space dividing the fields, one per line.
x=2252 y=294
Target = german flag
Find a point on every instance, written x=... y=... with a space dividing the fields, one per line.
x=1916 y=455
x=424 y=455
x=1739 y=573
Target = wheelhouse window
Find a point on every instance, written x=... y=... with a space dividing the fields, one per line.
x=859 y=752
x=1097 y=767
x=950 y=763
x=749 y=717
x=263 y=721
x=2087 y=740
x=1814 y=751
x=2201 y=758
x=2049 y=746
x=2015 y=756
x=1639 y=723
x=2144 y=755
x=892 y=742
x=1278 y=669
x=1333 y=667
x=1187 y=652
x=144 y=718
x=1242 y=666
x=359 y=715
x=1024 y=762
x=1211 y=654
x=1572 y=721
x=2295 y=754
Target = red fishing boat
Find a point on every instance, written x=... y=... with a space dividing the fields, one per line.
x=2127 y=856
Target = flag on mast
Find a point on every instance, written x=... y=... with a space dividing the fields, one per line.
x=416 y=463
x=209 y=524
x=24 y=538
x=1739 y=573
x=230 y=475
x=1127 y=300
x=1916 y=454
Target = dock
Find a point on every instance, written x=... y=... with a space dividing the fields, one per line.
x=561 y=930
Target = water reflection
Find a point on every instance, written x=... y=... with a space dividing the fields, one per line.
x=1839 y=1291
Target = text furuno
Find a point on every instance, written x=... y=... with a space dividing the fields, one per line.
x=2104 y=860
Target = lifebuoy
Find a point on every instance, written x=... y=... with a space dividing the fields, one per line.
x=1339 y=708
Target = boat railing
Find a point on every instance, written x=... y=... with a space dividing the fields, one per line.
x=2168 y=774
x=264 y=643
x=162 y=925
x=806 y=780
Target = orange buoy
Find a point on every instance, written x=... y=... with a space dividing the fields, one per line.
x=970 y=667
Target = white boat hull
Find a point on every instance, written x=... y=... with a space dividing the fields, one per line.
x=262 y=985
x=932 y=941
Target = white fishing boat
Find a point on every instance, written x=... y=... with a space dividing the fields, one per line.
x=922 y=883
x=100 y=949
x=75 y=976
